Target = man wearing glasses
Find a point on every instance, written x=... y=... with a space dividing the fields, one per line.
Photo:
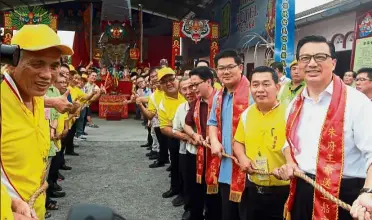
x=199 y=158
x=363 y=81
x=328 y=138
x=228 y=104
x=167 y=109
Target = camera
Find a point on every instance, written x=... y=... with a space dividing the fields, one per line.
x=9 y=54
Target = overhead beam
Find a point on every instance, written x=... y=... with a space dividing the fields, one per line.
x=35 y=4
x=157 y=14
x=25 y=3
x=4 y=3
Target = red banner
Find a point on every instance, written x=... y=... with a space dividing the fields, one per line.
x=176 y=47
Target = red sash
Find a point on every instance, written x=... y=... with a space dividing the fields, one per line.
x=240 y=103
x=330 y=161
x=211 y=189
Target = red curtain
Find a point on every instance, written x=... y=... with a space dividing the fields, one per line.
x=81 y=41
x=159 y=47
x=81 y=55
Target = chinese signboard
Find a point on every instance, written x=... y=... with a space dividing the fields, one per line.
x=285 y=33
x=363 y=41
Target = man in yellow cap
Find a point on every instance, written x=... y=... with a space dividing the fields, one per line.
x=292 y=88
x=25 y=139
x=167 y=109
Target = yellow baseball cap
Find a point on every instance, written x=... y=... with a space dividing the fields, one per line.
x=39 y=37
x=294 y=62
x=84 y=76
x=71 y=67
x=165 y=71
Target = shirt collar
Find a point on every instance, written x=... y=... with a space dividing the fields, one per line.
x=52 y=88
x=272 y=109
x=327 y=91
x=178 y=97
x=8 y=79
x=299 y=86
x=187 y=106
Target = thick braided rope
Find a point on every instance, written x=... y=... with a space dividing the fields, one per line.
x=316 y=186
x=299 y=175
x=38 y=192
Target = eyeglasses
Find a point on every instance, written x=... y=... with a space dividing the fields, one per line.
x=362 y=79
x=319 y=57
x=195 y=85
x=170 y=80
x=226 y=68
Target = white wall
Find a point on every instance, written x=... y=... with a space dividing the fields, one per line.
x=328 y=28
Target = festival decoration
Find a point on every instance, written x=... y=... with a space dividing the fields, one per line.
x=285 y=34
x=363 y=40
x=134 y=53
x=270 y=23
x=365 y=27
x=196 y=30
x=21 y=16
x=14 y=20
x=116 y=39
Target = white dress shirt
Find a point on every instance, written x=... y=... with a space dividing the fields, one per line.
x=357 y=131
x=179 y=123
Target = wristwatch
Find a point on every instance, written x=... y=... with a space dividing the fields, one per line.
x=366 y=190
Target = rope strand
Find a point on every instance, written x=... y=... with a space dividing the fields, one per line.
x=296 y=174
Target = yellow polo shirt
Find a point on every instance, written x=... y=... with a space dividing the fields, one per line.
x=25 y=144
x=6 y=205
x=154 y=101
x=76 y=93
x=263 y=137
x=60 y=127
x=167 y=109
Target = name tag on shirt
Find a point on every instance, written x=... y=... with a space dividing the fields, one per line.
x=261 y=163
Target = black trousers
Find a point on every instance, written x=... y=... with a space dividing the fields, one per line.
x=163 y=145
x=62 y=160
x=53 y=174
x=303 y=201
x=54 y=167
x=199 y=199
x=185 y=192
x=88 y=113
x=174 y=148
x=70 y=139
x=258 y=200
x=232 y=210
x=149 y=137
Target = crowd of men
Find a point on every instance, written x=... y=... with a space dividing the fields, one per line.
x=269 y=123
x=215 y=139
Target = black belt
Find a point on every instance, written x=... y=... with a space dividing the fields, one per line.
x=267 y=189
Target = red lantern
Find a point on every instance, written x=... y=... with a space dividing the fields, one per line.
x=134 y=53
